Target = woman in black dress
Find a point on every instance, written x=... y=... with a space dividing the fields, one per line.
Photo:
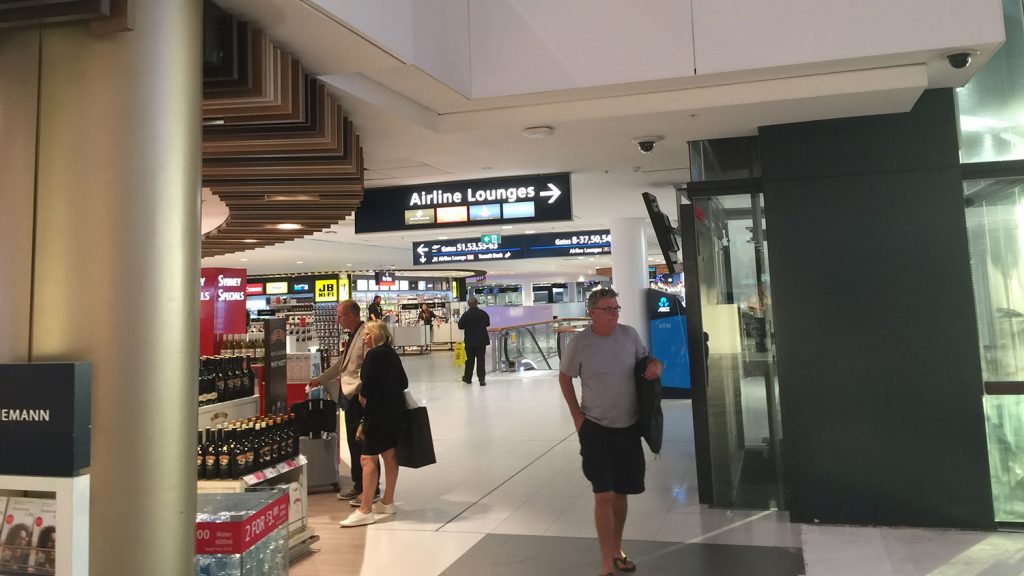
x=382 y=396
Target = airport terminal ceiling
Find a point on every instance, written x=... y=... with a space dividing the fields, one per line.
x=416 y=129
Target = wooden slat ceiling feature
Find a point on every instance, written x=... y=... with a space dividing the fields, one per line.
x=277 y=148
x=26 y=12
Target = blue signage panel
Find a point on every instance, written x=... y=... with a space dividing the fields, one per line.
x=532 y=198
x=667 y=325
x=550 y=245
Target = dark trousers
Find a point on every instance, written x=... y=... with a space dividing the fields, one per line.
x=353 y=415
x=475 y=355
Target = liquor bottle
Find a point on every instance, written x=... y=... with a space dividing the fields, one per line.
x=250 y=378
x=218 y=380
x=259 y=454
x=231 y=379
x=237 y=455
x=207 y=383
x=210 y=454
x=202 y=383
x=200 y=458
x=280 y=441
x=293 y=437
x=224 y=455
x=250 y=450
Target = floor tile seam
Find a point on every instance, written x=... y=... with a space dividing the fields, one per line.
x=507 y=480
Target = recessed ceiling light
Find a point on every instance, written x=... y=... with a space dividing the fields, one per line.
x=289 y=226
x=538 y=131
x=245 y=259
x=651 y=259
x=349 y=265
x=531 y=231
x=250 y=240
x=299 y=262
x=442 y=237
x=507 y=226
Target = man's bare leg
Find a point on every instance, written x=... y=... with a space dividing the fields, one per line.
x=605 y=520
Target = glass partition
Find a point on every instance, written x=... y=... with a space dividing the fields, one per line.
x=991 y=105
x=995 y=228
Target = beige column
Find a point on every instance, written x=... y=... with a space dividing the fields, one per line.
x=19 y=79
x=117 y=268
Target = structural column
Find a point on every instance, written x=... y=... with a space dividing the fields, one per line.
x=19 y=78
x=629 y=271
x=116 y=267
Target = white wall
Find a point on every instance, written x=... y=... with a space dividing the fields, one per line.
x=431 y=35
x=787 y=32
x=523 y=46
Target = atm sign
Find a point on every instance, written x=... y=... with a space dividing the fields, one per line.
x=326 y=290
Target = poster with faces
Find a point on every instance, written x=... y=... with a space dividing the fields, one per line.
x=44 y=553
x=16 y=533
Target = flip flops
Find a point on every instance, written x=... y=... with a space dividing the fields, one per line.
x=623 y=563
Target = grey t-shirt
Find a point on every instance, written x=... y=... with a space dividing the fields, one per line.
x=605 y=366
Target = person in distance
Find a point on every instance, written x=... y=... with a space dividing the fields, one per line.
x=375 y=311
x=382 y=395
x=474 y=324
x=603 y=356
x=426 y=315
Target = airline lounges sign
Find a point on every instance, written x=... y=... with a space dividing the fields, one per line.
x=511 y=200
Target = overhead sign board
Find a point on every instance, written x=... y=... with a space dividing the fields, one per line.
x=326 y=290
x=551 y=245
x=513 y=199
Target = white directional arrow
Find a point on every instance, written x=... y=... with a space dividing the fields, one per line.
x=422 y=250
x=552 y=191
x=508 y=254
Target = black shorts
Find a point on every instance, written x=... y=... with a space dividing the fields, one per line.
x=613 y=459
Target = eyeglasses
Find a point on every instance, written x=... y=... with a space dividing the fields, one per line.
x=608 y=309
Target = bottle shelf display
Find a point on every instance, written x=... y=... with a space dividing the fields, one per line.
x=225 y=378
x=244 y=448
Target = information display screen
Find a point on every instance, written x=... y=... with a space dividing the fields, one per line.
x=550 y=245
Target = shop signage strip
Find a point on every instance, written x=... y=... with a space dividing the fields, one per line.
x=237 y=537
x=550 y=245
x=512 y=199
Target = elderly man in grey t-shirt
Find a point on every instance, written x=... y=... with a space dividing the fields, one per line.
x=604 y=356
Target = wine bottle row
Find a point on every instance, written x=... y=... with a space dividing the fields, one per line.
x=241 y=447
x=248 y=344
x=224 y=378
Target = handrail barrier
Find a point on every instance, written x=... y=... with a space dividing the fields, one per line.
x=531 y=345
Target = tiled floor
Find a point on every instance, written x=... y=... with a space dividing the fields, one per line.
x=507 y=496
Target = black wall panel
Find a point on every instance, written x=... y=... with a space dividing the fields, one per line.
x=879 y=369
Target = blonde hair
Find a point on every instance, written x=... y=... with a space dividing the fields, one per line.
x=379 y=332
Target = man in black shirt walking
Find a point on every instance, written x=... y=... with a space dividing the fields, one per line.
x=474 y=323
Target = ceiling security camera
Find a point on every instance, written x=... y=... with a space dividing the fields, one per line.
x=959 y=60
x=646 y=143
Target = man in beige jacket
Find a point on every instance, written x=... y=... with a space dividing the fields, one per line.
x=342 y=381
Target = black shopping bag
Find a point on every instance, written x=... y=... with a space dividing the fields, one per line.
x=415 y=443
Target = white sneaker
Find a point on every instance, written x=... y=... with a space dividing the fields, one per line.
x=357 y=518
x=379 y=508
